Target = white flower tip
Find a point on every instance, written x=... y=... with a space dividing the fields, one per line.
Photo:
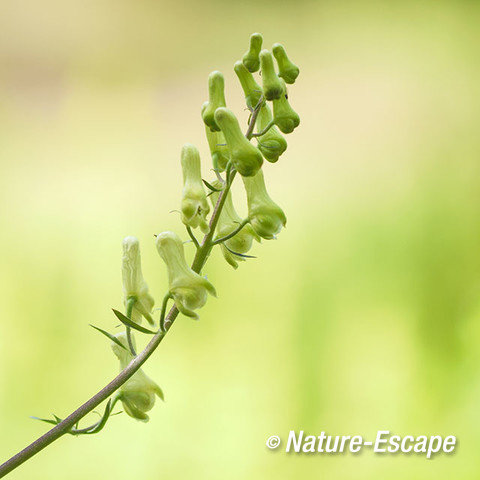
x=130 y=242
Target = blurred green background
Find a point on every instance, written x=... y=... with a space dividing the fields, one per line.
x=364 y=315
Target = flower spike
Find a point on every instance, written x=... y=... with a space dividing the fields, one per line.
x=188 y=289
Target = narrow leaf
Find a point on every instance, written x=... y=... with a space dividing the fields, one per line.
x=210 y=186
x=104 y=419
x=238 y=254
x=113 y=338
x=129 y=323
x=46 y=420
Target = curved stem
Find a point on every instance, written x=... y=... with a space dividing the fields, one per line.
x=265 y=130
x=232 y=234
x=130 y=304
x=253 y=118
x=193 y=237
x=166 y=298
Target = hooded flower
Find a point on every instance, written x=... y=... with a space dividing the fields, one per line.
x=194 y=207
x=216 y=99
x=250 y=59
x=266 y=217
x=272 y=144
x=245 y=156
x=250 y=87
x=286 y=118
x=287 y=70
x=188 y=288
x=228 y=222
x=218 y=149
x=272 y=85
x=138 y=392
x=134 y=285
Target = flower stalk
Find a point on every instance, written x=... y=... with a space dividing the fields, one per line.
x=188 y=288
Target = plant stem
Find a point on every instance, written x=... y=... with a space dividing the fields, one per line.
x=253 y=118
x=232 y=234
x=65 y=425
x=193 y=237
x=130 y=304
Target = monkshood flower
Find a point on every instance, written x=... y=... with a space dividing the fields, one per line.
x=266 y=217
x=250 y=59
x=286 y=118
x=250 y=87
x=246 y=158
x=216 y=99
x=188 y=289
x=218 y=148
x=138 y=393
x=194 y=205
x=287 y=69
x=135 y=288
x=272 y=85
x=228 y=222
x=272 y=144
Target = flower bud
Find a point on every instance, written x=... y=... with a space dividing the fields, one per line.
x=246 y=158
x=133 y=283
x=250 y=59
x=216 y=98
x=266 y=217
x=138 y=392
x=286 y=118
x=188 y=288
x=251 y=88
x=287 y=70
x=272 y=85
x=194 y=200
x=218 y=149
x=229 y=222
x=272 y=144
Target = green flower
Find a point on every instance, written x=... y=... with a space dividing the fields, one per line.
x=134 y=286
x=229 y=222
x=138 y=393
x=251 y=88
x=286 y=118
x=266 y=217
x=250 y=59
x=272 y=85
x=287 y=70
x=216 y=99
x=194 y=206
x=272 y=144
x=188 y=288
x=218 y=149
x=246 y=158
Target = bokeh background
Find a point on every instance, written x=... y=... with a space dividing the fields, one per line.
x=364 y=314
